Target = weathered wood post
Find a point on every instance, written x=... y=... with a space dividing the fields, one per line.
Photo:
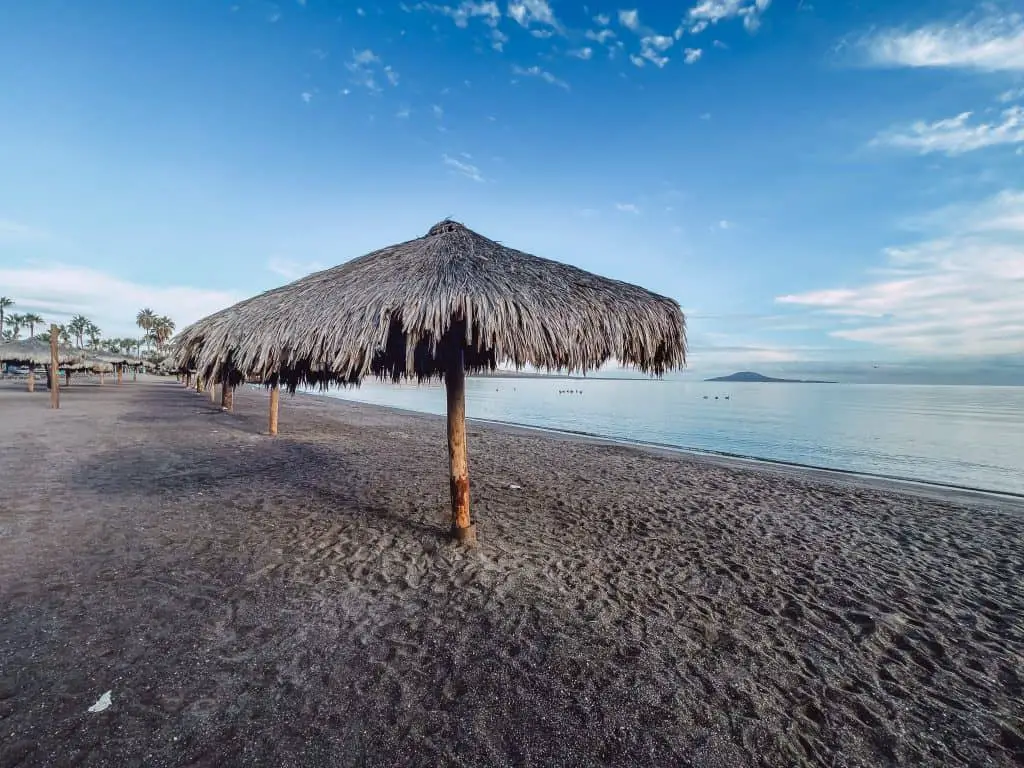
x=227 y=394
x=31 y=377
x=67 y=377
x=54 y=368
x=275 y=402
x=199 y=384
x=188 y=380
x=101 y=377
x=120 y=373
x=463 y=529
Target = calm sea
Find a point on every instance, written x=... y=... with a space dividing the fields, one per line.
x=963 y=436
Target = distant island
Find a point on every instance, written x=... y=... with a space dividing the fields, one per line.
x=758 y=378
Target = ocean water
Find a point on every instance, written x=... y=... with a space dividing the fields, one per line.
x=969 y=437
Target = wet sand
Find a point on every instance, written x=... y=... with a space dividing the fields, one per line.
x=293 y=601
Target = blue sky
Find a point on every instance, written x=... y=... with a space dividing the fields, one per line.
x=822 y=185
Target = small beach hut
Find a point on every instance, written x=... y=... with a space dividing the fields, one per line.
x=35 y=352
x=438 y=306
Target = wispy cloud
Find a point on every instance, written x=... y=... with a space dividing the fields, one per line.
x=959 y=293
x=463 y=167
x=692 y=55
x=630 y=19
x=290 y=269
x=544 y=75
x=601 y=36
x=582 y=53
x=489 y=12
x=527 y=12
x=956 y=135
x=58 y=291
x=992 y=43
x=366 y=67
x=1014 y=94
x=709 y=12
x=627 y=208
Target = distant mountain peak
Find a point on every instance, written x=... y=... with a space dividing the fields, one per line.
x=752 y=377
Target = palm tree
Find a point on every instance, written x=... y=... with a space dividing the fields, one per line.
x=4 y=304
x=95 y=335
x=146 y=319
x=63 y=334
x=78 y=327
x=32 y=320
x=163 y=329
x=15 y=322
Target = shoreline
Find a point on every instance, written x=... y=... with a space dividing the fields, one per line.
x=928 y=488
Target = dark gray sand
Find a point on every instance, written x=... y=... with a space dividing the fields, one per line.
x=293 y=601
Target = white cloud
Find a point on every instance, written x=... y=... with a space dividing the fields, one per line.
x=601 y=36
x=59 y=291
x=468 y=170
x=403 y=113
x=307 y=96
x=527 y=12
x=437 y=110
x=489 y=11
x=582 y=53
x=290 y=269
x=959 y=293
x=957 y=135
x=1013 y=94
x=991 y=44
x=725 y=224
x=602 y=19
x=364 y=66
x=692 y=55
x=708 y=12
x=536 y=71
x=627 y=208
x=630 y=19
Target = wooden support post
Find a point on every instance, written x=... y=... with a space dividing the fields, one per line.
x=135 y=373
x=101 y=377
x=54 y=368
x=213 y=391
x=188 y=380
x=275 y=402
x=227 y=395
x=120 y=374
x=67 y=377
x=199 y=384
x=31 y=377
x=455 y=386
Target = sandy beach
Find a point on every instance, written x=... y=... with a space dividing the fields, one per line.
x=293 y=601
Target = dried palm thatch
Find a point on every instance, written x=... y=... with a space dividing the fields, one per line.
x=437 y=306
x=36 y=352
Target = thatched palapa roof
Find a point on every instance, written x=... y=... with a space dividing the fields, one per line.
x=388 y=312
x=37 y=352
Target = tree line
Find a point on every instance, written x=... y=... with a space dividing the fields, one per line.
x=83 y=333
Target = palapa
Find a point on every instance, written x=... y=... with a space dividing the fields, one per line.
x=436 y=307
x=33 y=352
